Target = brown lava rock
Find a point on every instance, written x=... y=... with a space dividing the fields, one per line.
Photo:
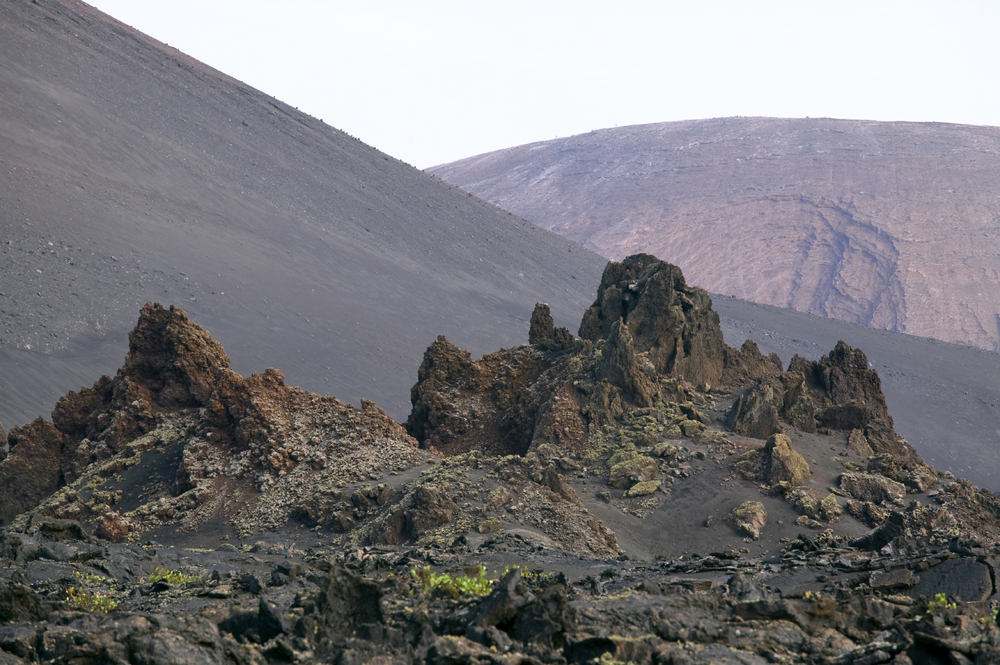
x=543 y=333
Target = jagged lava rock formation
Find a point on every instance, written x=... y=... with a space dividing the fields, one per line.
x=201 y=440
x=643 y=528
x=840 y=218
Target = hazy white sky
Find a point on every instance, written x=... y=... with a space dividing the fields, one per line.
x=434 y=81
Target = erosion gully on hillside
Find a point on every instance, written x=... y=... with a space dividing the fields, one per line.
x=639 y=493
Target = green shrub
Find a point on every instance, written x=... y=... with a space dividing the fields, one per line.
x=455 y=586
x=940 y=602
x=97 y=601
x=174 y=577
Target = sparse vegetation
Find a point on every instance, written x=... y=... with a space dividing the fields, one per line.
x=455 y=586
x=174 y=577
x=940 y=602
x=97 y=601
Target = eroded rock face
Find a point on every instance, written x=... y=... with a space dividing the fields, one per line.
x=172 y=364
x=872 y=488
x=669 y=320
x=747 y=364
x=646 y=340
x=32 y=470
x=622 y=365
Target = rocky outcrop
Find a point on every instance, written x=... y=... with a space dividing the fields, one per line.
x=671 y=322
x=872 y=488
x=783 y=464
x=646 y=339
x=776 y=464
x=490 y=405
x=543 y=333
x=850 y=390
x=838 y=392
x=207 y=434
x=32 y=469
x=858 y=444
x=747 y=364
x=172 y=364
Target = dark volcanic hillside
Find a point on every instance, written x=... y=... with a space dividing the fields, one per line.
x=131 y=173
x=890 y=225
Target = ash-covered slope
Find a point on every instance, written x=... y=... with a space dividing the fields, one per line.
x=130 y=173
x=888 y=224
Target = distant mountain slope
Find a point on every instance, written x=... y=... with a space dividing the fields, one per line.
x=891 y=225
x=130 y=172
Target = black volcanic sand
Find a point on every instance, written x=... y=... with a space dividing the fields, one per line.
x=944 y=398
x=131 y=173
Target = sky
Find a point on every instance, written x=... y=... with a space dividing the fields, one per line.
x=434 y=81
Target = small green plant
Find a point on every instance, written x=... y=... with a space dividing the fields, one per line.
x=455 y=586
x=174 y=577
x=525 y=573
x=990 y=617
x=90 y=579
x=940 y=602
x=91 y=600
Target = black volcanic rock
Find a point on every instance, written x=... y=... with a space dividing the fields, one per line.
x=172 y=364
x=176 y=392
x=370 y=558
x=460 y=404
x=621 y=365
x=32 y=470
x=648 y=331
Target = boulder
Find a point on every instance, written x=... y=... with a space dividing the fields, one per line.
x=868 y=487
x=756 y=412
x=760 y=410
x=808 y=502
x=858 y=444
x=632 y=470
x=345 y=602
x=750 y=518
x=782 y=464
